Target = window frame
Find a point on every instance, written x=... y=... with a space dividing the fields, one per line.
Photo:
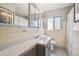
x=54 y=29
x=54 y=23
x=39 y=23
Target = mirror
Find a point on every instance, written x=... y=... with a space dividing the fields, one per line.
x=76 y=12
x=21 y=17
x=6 y=16
x=35 y=17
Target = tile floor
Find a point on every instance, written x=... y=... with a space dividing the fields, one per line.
x=58 y=51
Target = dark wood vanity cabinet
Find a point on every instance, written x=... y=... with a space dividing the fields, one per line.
x=30 y=52
x=38 y=50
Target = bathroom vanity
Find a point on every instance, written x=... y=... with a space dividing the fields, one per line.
x=37 y=50
x=30 y=47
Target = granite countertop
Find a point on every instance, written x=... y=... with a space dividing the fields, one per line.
x=16 y=50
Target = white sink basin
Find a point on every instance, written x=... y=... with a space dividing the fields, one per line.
x=43 y=39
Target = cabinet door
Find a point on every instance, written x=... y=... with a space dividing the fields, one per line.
x=40 y=50
x=31 y=52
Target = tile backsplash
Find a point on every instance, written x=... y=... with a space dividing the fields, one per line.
x=10 y=34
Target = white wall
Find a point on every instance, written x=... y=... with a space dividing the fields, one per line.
x=60 y=36
x=72 y=41
x=69 y=39
x=75 y=48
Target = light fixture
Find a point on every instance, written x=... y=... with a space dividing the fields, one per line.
x=6 y=14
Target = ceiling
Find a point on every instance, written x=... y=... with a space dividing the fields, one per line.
x=22 y=8
x=51 y=6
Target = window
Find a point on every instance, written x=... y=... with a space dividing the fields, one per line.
x=40 y=23
x=57 y=23
x=37 y=23
x=50 y=24
x=54 y=23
